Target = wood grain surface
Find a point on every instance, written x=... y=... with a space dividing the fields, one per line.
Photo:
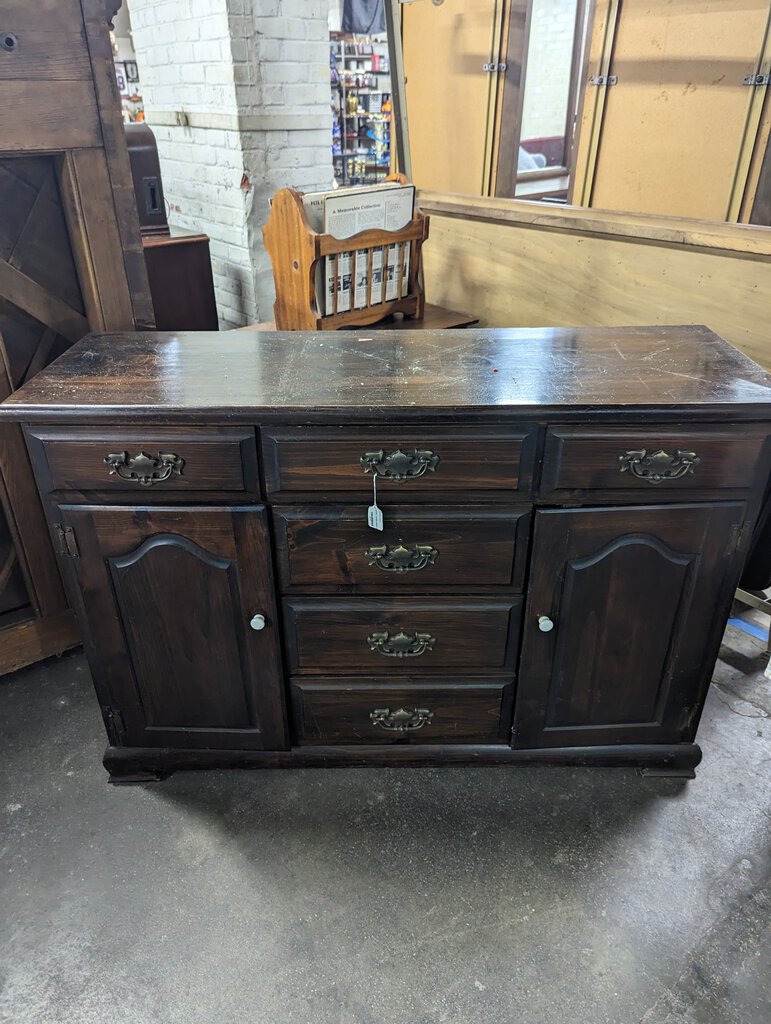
x=309 y=377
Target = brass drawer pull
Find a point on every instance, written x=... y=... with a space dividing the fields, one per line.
x=658 y=466
x=399 y=466
x=401 y=720
x=145 y=469
x=401 y=559
x=400 y=645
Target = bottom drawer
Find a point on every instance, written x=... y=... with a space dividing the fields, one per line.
x=358 y=712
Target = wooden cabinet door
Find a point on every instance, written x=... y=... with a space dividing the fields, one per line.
x=637 y=597
x=169 y=595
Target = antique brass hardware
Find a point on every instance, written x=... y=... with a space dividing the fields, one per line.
x=398 y=466
x=659 y=466
x=402 y=719
x=401 y=645
x=401 y=559
x=257 y=622
x=545 y=624
x=145 y=469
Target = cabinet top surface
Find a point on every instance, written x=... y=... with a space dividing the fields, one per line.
x=355 y=375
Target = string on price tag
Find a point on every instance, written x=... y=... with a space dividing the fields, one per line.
x=374 y=514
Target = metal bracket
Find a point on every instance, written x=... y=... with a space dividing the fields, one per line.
x=603 y=80
x=115 y=723
x=756 y=80
x=66 y=541
x=492 y=68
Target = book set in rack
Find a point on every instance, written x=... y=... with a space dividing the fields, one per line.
x=333 y=267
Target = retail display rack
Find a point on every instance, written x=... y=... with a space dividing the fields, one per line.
x=361 y=107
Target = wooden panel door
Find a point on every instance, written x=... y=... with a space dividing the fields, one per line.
x=71 y=261
x=450 y=97
x=171 y=596
x=636 y=596
x=675 y=135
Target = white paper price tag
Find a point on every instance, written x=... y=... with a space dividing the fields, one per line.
x=374 y=514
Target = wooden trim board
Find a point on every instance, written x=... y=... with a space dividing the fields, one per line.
x=522 y=264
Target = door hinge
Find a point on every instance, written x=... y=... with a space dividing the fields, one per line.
x=739 y=538
x=603 y=80
x=492 y=68
x=756 y=80
x=116 y=727
x=745 y=533
x=66 y=541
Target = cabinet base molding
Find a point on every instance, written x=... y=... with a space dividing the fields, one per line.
x=148 y=764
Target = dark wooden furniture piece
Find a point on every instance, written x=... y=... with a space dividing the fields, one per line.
x=566 y=513
x=145 y=167
x=178 y=261
x=181 y=282
x=70 y=262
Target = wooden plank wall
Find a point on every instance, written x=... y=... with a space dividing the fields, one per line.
x=519 y=264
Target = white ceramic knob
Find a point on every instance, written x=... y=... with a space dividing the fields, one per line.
x=545 y=624
x=258 y=622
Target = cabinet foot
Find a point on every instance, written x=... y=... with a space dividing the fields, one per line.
x=137 y=778
x=123 y=772
x=668 y=773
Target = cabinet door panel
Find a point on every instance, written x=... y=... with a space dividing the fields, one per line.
x=169 y=595
x=636 y=596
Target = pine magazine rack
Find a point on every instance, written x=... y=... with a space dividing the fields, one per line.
x=295 y=250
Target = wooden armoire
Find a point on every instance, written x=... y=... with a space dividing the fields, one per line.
x=71 y=261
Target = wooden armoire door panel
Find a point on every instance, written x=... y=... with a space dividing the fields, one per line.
x=14 y=598
x=634 y=595
x=71 y=261
x=178 y=588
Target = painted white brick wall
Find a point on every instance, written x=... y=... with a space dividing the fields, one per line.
x=288 y=83
x=252 y=79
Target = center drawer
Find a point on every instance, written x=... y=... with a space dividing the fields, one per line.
x=421 y=548
x=423 y=462
x=325 y=711
x=395 y=636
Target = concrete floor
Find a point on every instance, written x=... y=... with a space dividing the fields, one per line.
x=543 y=896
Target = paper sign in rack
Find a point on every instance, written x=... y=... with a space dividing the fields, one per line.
x=296 y=250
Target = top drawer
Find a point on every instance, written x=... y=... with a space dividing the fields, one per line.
x=147 y=461
x=661 y=459
x=409 y=461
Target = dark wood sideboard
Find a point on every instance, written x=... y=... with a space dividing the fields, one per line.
x=566 y=512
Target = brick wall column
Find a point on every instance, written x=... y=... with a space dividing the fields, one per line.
x=237 y=94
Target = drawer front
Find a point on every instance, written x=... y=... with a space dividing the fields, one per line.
x=409 y=461
x=400 y=635
x=323 y=547
x=146 y=461
x=652 y=460
x=327 y=712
